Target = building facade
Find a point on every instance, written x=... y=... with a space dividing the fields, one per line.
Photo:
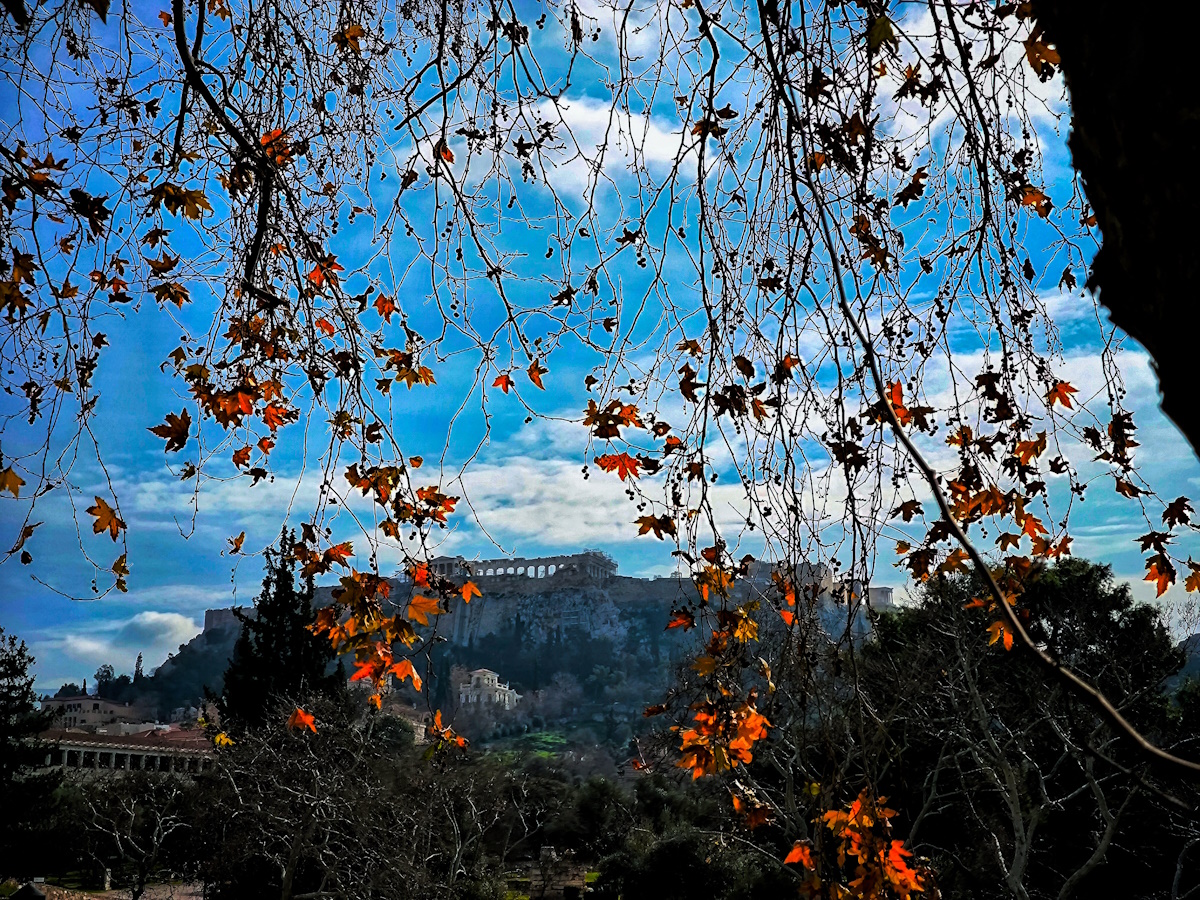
x=89 y=713
x=485 y=687
x=183 y=752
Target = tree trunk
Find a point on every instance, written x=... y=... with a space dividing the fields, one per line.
x=1135 y=139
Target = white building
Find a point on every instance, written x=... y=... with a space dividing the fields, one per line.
x=91 y=712
x=485 y=687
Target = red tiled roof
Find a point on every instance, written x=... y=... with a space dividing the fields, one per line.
x=164 y=741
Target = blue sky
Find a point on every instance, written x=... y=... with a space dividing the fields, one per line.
x=526 y=490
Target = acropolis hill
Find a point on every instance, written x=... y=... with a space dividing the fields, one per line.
x=541 y=596
x=541 y=618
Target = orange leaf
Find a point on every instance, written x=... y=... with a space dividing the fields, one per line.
x=623 y=464
x=420 y=608
x=1192 y=583
x=301 y=720
x=1061 y=393
x=1030 y=450
x=535 y=373
x=10 y=481
x=999 y=632
x=469 y=590
x=385 y=306
x=1036 y=200
x=235 y=543
x=404 y=669
x=442 y=149
x=681 y=618
x=339 y=553
x=801 y=853
x=504 y=382
x=1160 y=571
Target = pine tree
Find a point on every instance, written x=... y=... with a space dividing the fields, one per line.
x=138 y=675
x=25 y=794
x=276 y=657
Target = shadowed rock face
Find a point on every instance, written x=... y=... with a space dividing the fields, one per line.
x=1135 y=140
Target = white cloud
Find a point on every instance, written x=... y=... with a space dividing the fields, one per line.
x=75 y=654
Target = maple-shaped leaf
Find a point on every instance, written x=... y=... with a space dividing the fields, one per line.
x=623 y=464
x=999 y=633
x=404 y=669
x=301 y=720
x=955 y=561
x=10 y=481
x=1061 y=393
x=658 y=524
x=535 y=373
x=681 y=618
x=1127 y=488
x=1192 y=583
x=385 y=306
x=420 y=608
x=338 y=554
x=275 y=415
x=469 y=590
x=800 y=853
x=241 y=457
x=907 y=510
x=881 y=33
x=504 y=382
x=1160 y=571
x=1036 y=200
x=914 y=189
x=192 y=203
x=325 y=270
x=106 y=518
x=1177 y=512
x=1041 y=55
x=235 y=544
x=174 y=431
x=1027 y=451
x=348 y=38
x=1008 y=540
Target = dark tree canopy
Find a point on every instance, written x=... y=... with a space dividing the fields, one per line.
x=276 y=656
x=24 y=791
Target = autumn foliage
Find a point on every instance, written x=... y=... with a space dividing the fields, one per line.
x=799 y=285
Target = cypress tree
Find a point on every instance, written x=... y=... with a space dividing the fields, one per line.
x=276 y=656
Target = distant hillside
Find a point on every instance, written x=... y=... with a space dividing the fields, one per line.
x=180 y=681
x=1191 y=668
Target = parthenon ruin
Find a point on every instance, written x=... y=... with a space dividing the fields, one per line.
x=596 y=565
